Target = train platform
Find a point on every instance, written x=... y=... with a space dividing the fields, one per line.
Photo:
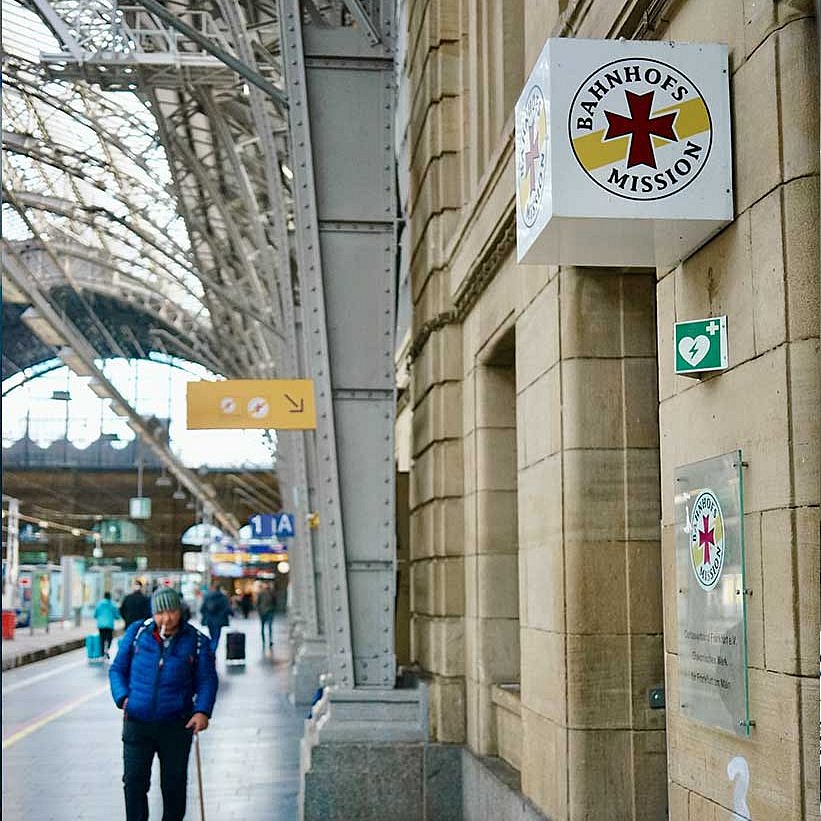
x=29 y=645
x=62 y=750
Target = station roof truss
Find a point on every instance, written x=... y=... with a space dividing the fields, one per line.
x=146 y=182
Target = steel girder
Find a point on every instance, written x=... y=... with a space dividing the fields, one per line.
x=341 y=95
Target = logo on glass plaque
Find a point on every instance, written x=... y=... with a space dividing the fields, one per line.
x=640 y=129
x=531 y=156
x=707 y=540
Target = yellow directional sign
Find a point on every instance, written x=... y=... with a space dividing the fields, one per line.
x=286 y=404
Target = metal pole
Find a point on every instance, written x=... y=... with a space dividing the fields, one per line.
x=199 y=775
x=12 y=553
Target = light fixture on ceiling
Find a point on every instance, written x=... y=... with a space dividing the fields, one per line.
x=163 y=480
x=178 y=494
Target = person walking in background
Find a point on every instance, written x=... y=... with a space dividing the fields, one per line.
x=246 y=604
x=214 y=613
x=136 y=606
x=164 y=679
x=266 y=605
x=106 y=613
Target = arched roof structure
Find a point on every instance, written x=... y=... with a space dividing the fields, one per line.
x=136 y=181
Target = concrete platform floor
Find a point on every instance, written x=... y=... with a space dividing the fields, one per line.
x=29 y=646
x=62 y=751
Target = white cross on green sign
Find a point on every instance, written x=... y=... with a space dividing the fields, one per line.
x=701 y=345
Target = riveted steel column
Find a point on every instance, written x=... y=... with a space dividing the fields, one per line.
x=332 y=553
x=341 y=91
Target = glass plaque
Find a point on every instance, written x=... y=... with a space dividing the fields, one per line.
x=712 y=622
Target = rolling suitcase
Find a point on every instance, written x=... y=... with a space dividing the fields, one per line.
x=94 y=648
x=235 y=647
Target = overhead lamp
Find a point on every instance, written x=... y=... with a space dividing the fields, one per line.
x=40 y=326
x=163 y=480
x=190 y=504
x=72 y=359
x=178 y=494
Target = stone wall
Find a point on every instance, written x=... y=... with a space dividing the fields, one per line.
x=554 y=388
x=763 y=272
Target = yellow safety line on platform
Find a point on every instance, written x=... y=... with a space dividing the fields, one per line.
x=66 y=708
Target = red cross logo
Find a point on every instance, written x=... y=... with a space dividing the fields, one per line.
x=706 y=538
x=641 y=127
x=532 y=155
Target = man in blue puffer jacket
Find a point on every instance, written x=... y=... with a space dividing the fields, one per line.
x=165 y=680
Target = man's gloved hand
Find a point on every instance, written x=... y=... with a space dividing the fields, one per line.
x=198 y=722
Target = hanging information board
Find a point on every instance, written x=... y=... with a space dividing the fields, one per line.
x=712 y=634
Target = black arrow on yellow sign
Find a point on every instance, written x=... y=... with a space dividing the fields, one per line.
x=296 y=408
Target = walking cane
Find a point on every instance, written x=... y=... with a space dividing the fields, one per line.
x=199 y=774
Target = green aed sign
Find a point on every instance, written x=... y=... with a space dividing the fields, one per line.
x=701 y=345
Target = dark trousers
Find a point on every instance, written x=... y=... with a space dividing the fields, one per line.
x=266 y=623
x=106 y=634
x=172 y=743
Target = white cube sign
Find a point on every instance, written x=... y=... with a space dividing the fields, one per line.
x=623 y=154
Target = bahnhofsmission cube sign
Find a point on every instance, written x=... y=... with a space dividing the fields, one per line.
x=623 y=153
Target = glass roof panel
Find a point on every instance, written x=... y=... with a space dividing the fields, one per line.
x=86 y=167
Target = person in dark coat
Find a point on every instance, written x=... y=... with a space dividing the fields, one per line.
x=136 y=606
x=266 y=605
x=215 y=612
x=164 y=679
